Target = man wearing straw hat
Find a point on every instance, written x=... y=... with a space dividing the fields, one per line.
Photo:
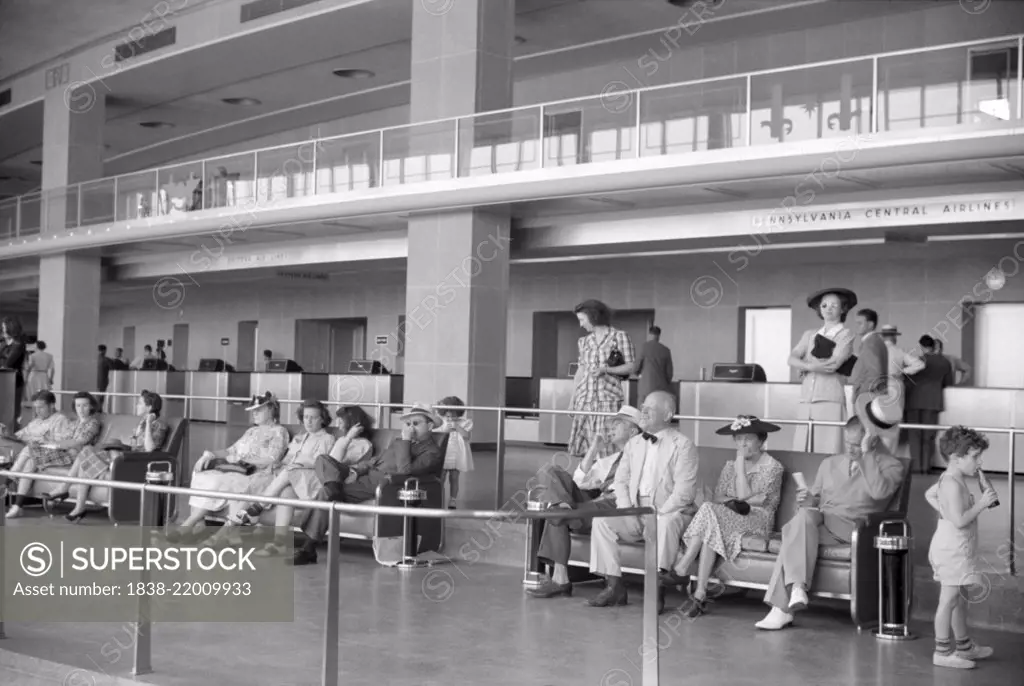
x=848 y=487
x=588 y=488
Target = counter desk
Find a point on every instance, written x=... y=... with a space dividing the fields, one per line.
x=134 y=381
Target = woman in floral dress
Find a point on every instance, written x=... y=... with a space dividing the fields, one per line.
x=745 y=502
x=94 y=463
x=599 y=388
x=297 y=479
x=52 y=440
x=247 y=466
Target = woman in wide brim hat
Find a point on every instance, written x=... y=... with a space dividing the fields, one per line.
x=744 y=504
x=246 y=466
x=822 y=358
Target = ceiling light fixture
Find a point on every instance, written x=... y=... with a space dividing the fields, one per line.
x=243 y=102
x=156 y=125
x=354 y=73
x=519 y=40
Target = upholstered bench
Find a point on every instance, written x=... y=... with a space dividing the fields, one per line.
x=123 y=506
x=367 y=527
x=844 y=572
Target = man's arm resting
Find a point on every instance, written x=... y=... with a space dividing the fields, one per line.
x=684 y=491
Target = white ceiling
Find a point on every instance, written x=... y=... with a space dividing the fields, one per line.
x=289 y=67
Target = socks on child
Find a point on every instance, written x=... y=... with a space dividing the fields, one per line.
x=943 y=646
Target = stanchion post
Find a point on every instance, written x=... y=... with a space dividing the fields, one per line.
x=329 y=670
x=499 y=480
x=649 y=649
x=532 y=577
x=3 y=544
x=411 y=496
x=143 y=649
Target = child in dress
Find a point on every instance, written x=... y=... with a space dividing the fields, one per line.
x=459 y=457
x=954 y=548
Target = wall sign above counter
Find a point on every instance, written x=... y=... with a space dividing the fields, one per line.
x=895 y=214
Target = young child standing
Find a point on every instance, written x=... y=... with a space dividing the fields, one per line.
x=459 y=457
x=954 y=548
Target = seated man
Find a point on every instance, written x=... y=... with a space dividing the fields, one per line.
x=848 y=487
x=658 y=469
x=589 y=488
x=416 y=453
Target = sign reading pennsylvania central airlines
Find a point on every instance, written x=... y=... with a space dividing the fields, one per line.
x=890 y=214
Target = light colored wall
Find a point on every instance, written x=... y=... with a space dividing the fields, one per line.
x=916 y=287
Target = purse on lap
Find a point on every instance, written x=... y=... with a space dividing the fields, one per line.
x=220 y=464
x=740 y=507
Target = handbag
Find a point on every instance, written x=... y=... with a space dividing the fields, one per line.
x=222 y=465
x=823 y=349
x=615 y=357
x=740 y=507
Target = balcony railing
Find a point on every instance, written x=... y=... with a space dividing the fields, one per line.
x=973 y=83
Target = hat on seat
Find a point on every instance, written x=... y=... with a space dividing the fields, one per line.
x=747 y=424
x=814 y=299
x=259 y=401
x=630 y=414
x=421 y=410
x=881 y=414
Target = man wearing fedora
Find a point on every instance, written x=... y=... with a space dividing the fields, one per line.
x=588 y=488
x=658 y=469
x=415 y=453
x=859 y=482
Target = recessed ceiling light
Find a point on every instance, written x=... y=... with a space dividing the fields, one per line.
x=519 y=40
x=354 y=73
x=244 y=102
x=156 y=125
x=38 y=163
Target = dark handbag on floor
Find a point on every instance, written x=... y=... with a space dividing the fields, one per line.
x=740 y=507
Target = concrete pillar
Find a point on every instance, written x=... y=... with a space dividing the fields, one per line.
x=457 y=278
x=69 y=284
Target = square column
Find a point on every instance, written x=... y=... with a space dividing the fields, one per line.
x=457 y=312
x=69 y=317
x=69 y=284
x=457 y=278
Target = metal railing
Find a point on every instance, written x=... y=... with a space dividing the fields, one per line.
x=880 y=92
x=383 y=410
x=142 y=649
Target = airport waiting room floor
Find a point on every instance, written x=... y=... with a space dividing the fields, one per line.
x=472 y=624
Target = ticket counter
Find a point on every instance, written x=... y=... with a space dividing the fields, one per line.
x=290 y=389
x=556 y=394
x=134 y=381
x=367 y=388
x=217 y=385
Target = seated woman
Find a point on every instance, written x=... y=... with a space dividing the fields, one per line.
x=85 y=432
x=94 y=463
x=745 y=501
x=297 y=479
x=41 y=438
x=247 y=466
x=589 y=488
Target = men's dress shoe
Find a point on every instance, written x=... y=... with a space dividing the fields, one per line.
x=550 y=589
x=302 y=557
x=613 y=594
x=798 y=599
x=671 y=578
x=776 y=619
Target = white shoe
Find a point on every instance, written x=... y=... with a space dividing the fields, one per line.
x=798 y=599
x=952 y=660
x=14 y=512
x=976 y=653
x=775 y=620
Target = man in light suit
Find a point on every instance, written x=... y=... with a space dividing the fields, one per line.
x=872 y=366
x=658 y=469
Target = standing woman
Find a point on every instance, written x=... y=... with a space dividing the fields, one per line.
x=824 y=359
x=12 y=356
x=606 y=359
x=39 y=370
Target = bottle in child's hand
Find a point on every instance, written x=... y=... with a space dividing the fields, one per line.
x=985 y=485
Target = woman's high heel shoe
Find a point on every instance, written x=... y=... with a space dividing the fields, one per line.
x=76 y=518
x=51 y=499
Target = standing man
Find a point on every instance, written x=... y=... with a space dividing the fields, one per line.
x=872 y=366
x=103 y=367
x=654 y=366
x=959 y=366
x=924 y=403
x=658 y=469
